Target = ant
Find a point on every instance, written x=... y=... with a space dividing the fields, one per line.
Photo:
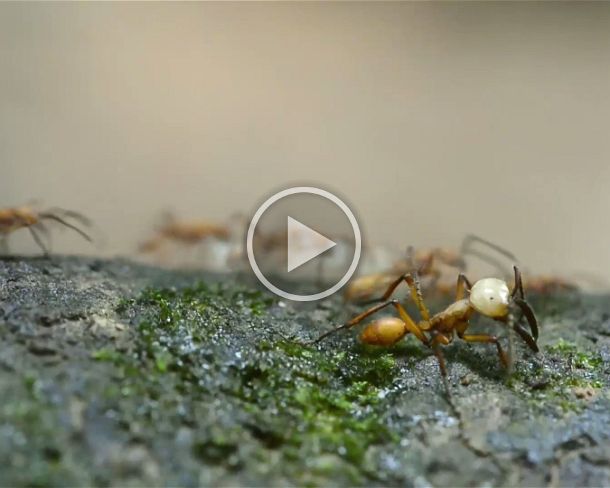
x=274 y=244
x=192 y=232
x=185 y=232
x=426 y=261
x=432 y=264
x=489 y=297
x=219 y=240
x=12 y=219
x=545 y=285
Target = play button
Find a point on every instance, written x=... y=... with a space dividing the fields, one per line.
x=302 y=240
x=304 y=244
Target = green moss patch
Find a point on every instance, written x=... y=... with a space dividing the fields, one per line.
x=206 y=385
x=555 y=382
x=296 y=404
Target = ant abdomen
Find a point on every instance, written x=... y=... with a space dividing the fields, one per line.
x=385 y=331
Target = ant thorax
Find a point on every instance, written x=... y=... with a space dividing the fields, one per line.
x=490 y=297
x=11 y=220
x=457 y=312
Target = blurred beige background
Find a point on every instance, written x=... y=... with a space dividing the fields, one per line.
x=431 y=119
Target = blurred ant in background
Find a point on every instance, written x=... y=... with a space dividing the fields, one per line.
x=187 y=233
x=26 y=217
x=220 y=239
x=546 y=284
x=436 y=266
x=274 y=245
x=537 y=284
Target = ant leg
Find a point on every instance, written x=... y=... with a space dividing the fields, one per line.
x=529 y=315
x=529 y=340
x=4 y=245
x=489 y=339
x=39 y=241
x=463 y=285
x=415 y=289
x=390 y=289
x=412 y=281
x=510 y=322
x=355 y=321
x=466 y=249
x=518 y=296
x=440 y=357
x=410 y=324
x=470 y=238
x=416 y=294
x=67 y=224
x=79 y=217
x=412 y=269
x=426 y=268
x=45 y=233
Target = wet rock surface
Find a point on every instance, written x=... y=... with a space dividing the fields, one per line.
x=113 y=373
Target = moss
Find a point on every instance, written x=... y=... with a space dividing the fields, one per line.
x=124 y=305
x=106 y=354
x=203 y=386
x=550 y=385
x=580 y=359
x=299 y=401
x=31 y=412
x=337 y=418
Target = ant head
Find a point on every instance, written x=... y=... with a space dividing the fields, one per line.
x=490 y=297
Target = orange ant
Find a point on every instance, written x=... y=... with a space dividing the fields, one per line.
x=151 y=245
x=539 y=284
x=426 y=261
x=12 y=219
x=431 y=264
x=544 y=285
x=192 y=232
x=223 y=238
x=362 y=288
x=548 y=284
x=489 y=297
x=183 y=232
x=275 y=244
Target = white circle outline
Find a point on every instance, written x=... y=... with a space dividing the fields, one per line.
x=314 y=191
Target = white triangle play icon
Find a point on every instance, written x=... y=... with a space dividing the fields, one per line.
x=304 y=244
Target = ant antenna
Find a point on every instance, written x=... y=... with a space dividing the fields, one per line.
x=466 y=249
